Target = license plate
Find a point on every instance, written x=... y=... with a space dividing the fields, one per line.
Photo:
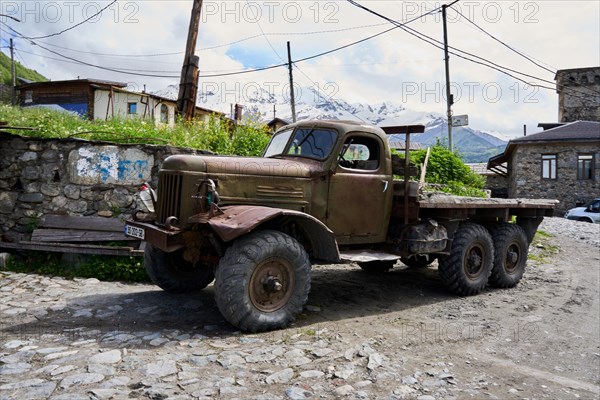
x=135 y=232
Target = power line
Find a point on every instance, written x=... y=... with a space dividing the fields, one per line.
x=436 y=43
x=213 y=47
x=74 y=26
x=504 y=44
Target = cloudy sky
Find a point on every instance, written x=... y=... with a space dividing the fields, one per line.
x=148 y=38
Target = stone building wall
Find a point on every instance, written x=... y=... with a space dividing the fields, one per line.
x=525 y=172
x=74 y=177
x=497 y=185
x=578 y=94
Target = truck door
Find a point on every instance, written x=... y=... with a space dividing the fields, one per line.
x=360 y=192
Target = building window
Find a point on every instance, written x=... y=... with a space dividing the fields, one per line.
x=164 y=113
x=131 y=108
x=549 y=166
x=585 y=166
x=28 y=96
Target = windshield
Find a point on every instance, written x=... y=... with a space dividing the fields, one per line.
x=306 y=142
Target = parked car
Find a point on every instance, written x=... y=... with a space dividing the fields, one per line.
x=589 y=213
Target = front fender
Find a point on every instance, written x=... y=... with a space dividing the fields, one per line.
x=240 y=220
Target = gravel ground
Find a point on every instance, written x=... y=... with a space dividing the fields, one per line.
x=400 y=335
x=580 y=231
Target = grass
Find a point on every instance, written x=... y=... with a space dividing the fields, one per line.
x=107 y=268
x=540 y=248
x=215 y=136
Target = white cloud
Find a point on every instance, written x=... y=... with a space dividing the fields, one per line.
x=395 y=66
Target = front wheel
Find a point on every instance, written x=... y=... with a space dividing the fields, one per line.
x=468 y=266
x=262 y=281
x=172 y=273
x=510 y=255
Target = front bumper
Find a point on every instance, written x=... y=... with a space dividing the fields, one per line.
x=164 y=239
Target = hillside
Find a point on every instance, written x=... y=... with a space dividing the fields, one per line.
x=22 y=72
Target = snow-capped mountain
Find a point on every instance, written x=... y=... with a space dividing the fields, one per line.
x=475 y=146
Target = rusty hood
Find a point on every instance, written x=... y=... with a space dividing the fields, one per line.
x=256 y=166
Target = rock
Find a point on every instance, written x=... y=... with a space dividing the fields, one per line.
x=28 y=156
x=109 y=357
x=375 y=360
x=61 y=370
x=282 y=376
x=40 y=390
x=344 y=373
x=426 y=397
x=409 y=380
x=50 y=189
x=72 y=192
x=105 y=213
x=30 y=173
x=103 y=369
x=296 y=357
x=228 y=360
x=513 y=391
x=13 y=344
x=54 y=356
x=311 y=374
x=362 y=384
x=7 y=202
x=343 y=391
x=159 y=369
x=31 y=197
x=296 y=393
x=321 y=352
x=15 y=368
x=80 y=379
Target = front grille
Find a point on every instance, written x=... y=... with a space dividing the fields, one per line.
x=169 y=196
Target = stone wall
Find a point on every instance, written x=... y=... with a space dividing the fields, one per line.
x=525 y=172
x=72 y=176
x=497 y=185
x=578 y=94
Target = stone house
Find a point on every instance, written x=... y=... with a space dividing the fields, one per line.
x=102 y=100
x=578 y=94
x=562 y=162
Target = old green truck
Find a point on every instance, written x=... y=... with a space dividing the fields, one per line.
x=324 y=192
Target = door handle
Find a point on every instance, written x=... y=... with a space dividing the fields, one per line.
x=385 y=185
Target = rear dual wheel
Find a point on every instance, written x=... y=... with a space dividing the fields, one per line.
x=468 y=266
x=510 y=255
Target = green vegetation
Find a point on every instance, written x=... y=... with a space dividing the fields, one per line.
x=22 y=72
x=109 y=268
x=448 y=170
x=215 y=136
x=540 y=248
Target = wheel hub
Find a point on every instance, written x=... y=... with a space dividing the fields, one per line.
x=474 y=262
x=271 y=285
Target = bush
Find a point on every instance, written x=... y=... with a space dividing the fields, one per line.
x=447 y=168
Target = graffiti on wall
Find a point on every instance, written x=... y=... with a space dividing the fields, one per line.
x=109 y=165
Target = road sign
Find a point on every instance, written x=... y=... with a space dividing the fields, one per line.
x=460 y=120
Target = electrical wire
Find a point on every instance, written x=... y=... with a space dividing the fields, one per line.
x=72 y=27
x=504 y=44
x=439 y=45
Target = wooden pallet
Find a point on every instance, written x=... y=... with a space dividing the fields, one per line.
x=80 y=235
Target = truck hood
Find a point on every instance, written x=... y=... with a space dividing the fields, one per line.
x=250 y=166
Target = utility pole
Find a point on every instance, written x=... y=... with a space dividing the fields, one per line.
x=292 y=100
x=449 y=97
x=188 y=84
x=13 y=73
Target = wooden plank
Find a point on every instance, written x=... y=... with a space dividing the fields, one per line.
x=82 y=223
x=73 y=248
x=73 y=235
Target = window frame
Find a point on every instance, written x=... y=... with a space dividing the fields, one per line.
x=590 y=162
x=552 y=160
x=131 y=104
